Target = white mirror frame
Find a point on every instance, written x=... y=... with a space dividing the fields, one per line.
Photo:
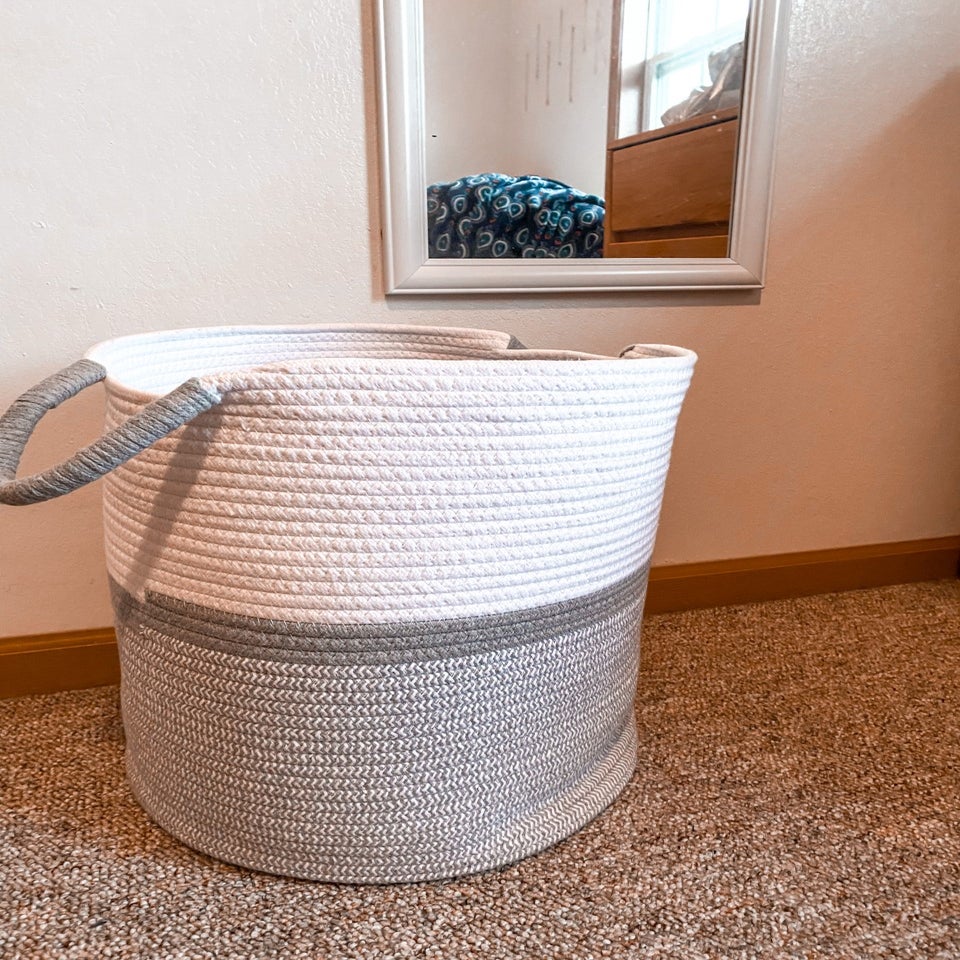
x=409 y=270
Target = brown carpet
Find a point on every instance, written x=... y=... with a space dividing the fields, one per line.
x=796 y=796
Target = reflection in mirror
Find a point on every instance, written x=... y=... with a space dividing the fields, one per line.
x=677 y=59
x=528 y=90
x=541 y=144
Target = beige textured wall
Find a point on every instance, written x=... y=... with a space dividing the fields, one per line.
x=480 y=119
x=457 y=42
x=567 y=139
x=153 y=177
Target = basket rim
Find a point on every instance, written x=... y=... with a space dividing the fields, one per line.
x=496 y=345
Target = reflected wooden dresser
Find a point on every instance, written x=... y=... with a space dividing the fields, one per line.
x=668 y=191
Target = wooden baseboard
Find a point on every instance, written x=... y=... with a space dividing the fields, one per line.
x=718 y=583
x=51 y=663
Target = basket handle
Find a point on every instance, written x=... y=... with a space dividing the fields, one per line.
x=145 y=427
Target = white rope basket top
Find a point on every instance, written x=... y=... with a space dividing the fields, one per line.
x=390 y=463
x=152 y=364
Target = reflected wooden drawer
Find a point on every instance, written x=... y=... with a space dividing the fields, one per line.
x=672 y=184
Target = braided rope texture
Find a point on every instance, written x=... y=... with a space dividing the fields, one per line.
x=378 y=610
x=24 y=413
x=330 y=757
x=153 y=421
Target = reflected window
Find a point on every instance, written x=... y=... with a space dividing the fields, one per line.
x=679 y=59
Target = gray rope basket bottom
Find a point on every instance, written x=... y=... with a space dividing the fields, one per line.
x=404 y=752
x=306 y=859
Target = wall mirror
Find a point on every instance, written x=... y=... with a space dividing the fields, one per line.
x=551 y=145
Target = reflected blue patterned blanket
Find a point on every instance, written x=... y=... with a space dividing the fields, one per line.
x=493 y=215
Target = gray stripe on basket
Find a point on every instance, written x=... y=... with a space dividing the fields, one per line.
x=379 y=643
x=382 y=772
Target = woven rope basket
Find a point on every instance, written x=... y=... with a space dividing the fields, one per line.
x=378 y=589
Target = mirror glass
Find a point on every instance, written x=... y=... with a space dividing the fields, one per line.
x=577 y=144
x=581 y=128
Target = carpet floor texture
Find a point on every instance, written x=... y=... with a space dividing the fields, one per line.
x=797 y=796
